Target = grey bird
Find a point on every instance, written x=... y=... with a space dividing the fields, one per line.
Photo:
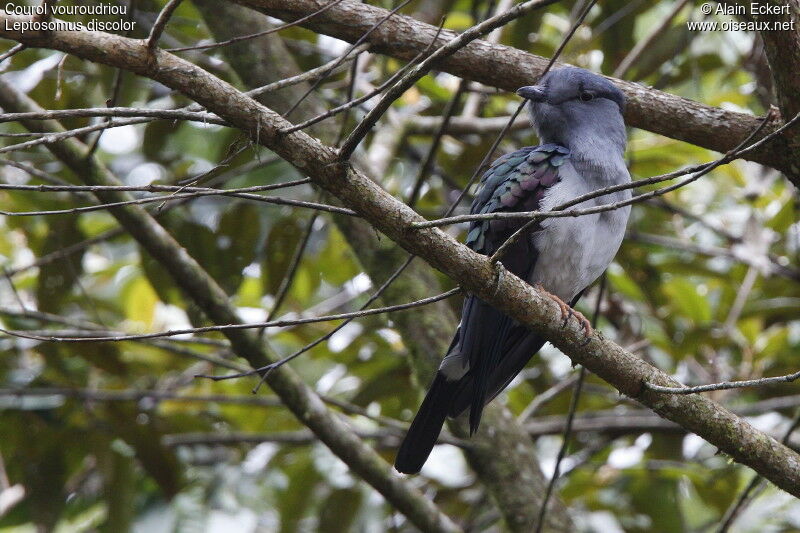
x=578 y=118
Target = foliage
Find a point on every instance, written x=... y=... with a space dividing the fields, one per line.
x=697 y=287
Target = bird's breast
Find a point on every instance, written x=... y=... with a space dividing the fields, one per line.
x=574 y=251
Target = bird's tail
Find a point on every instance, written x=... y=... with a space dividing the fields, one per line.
x=425 y=428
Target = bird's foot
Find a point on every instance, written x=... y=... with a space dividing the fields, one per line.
x=568 y=312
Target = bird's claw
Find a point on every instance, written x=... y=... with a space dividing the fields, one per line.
x=568 y=312
x=587 y=326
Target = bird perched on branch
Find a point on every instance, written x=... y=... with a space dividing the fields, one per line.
x=578 y=117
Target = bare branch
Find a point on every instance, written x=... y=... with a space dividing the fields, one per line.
x=355 y=137
x=725 y=385
x=345 y=55
x=277 y=200
x=507 y=293
x=196 y=284
x=161 y=24
x=509 y=68
x=167 y=114
x=231 y=327
x=257 y=34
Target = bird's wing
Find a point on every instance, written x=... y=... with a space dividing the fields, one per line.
x=495 y=346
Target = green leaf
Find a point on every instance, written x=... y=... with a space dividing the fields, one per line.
x=687 y=301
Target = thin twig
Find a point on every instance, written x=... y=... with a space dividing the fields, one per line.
x=266 y=370
x=427 y=163
x=258 y=34
x=745 y=498
x=160 y=24
x=316 y=73
x=229 y=327
x=573 y=405
x=19 y=47
x=168 y=114
x=559 y=211
x=450 y=48
x=644 y=44
x=725 y=385
x=544 y=398
x=286 y=282
x=348 y=95
x=377 y=294
x=116 y=86
x=153 y=188
x=277 y=200
x=341 y=59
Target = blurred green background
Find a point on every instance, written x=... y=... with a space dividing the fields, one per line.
x=705 y=287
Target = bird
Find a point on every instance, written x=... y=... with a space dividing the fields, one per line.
x=578 y=117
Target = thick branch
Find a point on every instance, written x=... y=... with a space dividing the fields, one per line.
x=509 y=68
x=782 y=47
x=200 y=287
x=500 y=288
x=502 y=454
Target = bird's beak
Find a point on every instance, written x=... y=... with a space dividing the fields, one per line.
x=534 y=93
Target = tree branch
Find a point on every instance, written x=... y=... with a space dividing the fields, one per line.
x=503 y=455
x=509 y=68
x=199 y=286
x=506 y=292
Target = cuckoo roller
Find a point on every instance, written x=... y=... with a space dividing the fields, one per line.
x=578 y=116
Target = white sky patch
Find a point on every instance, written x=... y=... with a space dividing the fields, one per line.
x=366 y=351
x=625 y=457
x=630 y=455
x=168 y=316
x=603 y=521
x=447 y=80
x=14 y=176
x=94 y=262
x=123 y=275
x=332 y=45
x=342 y=338
x=691 y=445
x=332 y=468
x=730 y=106
x=547 y=448
x=206 y=211
x=256 y=460
x=358 y=284
x=594 y=60
x=345 y=385
x=390 y=336
x=558 y=363
x=145 y=174
x=329 y=379
x=121 y=140
x=766 y=422
x=241 y=521
x=748 y=88
x=447 y=466
x=21 y=255
x=252 y=314
x=29 y=78
x=253 y=270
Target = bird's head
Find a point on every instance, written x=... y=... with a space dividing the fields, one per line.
x=572 y=106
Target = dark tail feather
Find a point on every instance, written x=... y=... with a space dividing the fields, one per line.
x=425 y=428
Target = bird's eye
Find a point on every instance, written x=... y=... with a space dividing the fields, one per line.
x=586 y=96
